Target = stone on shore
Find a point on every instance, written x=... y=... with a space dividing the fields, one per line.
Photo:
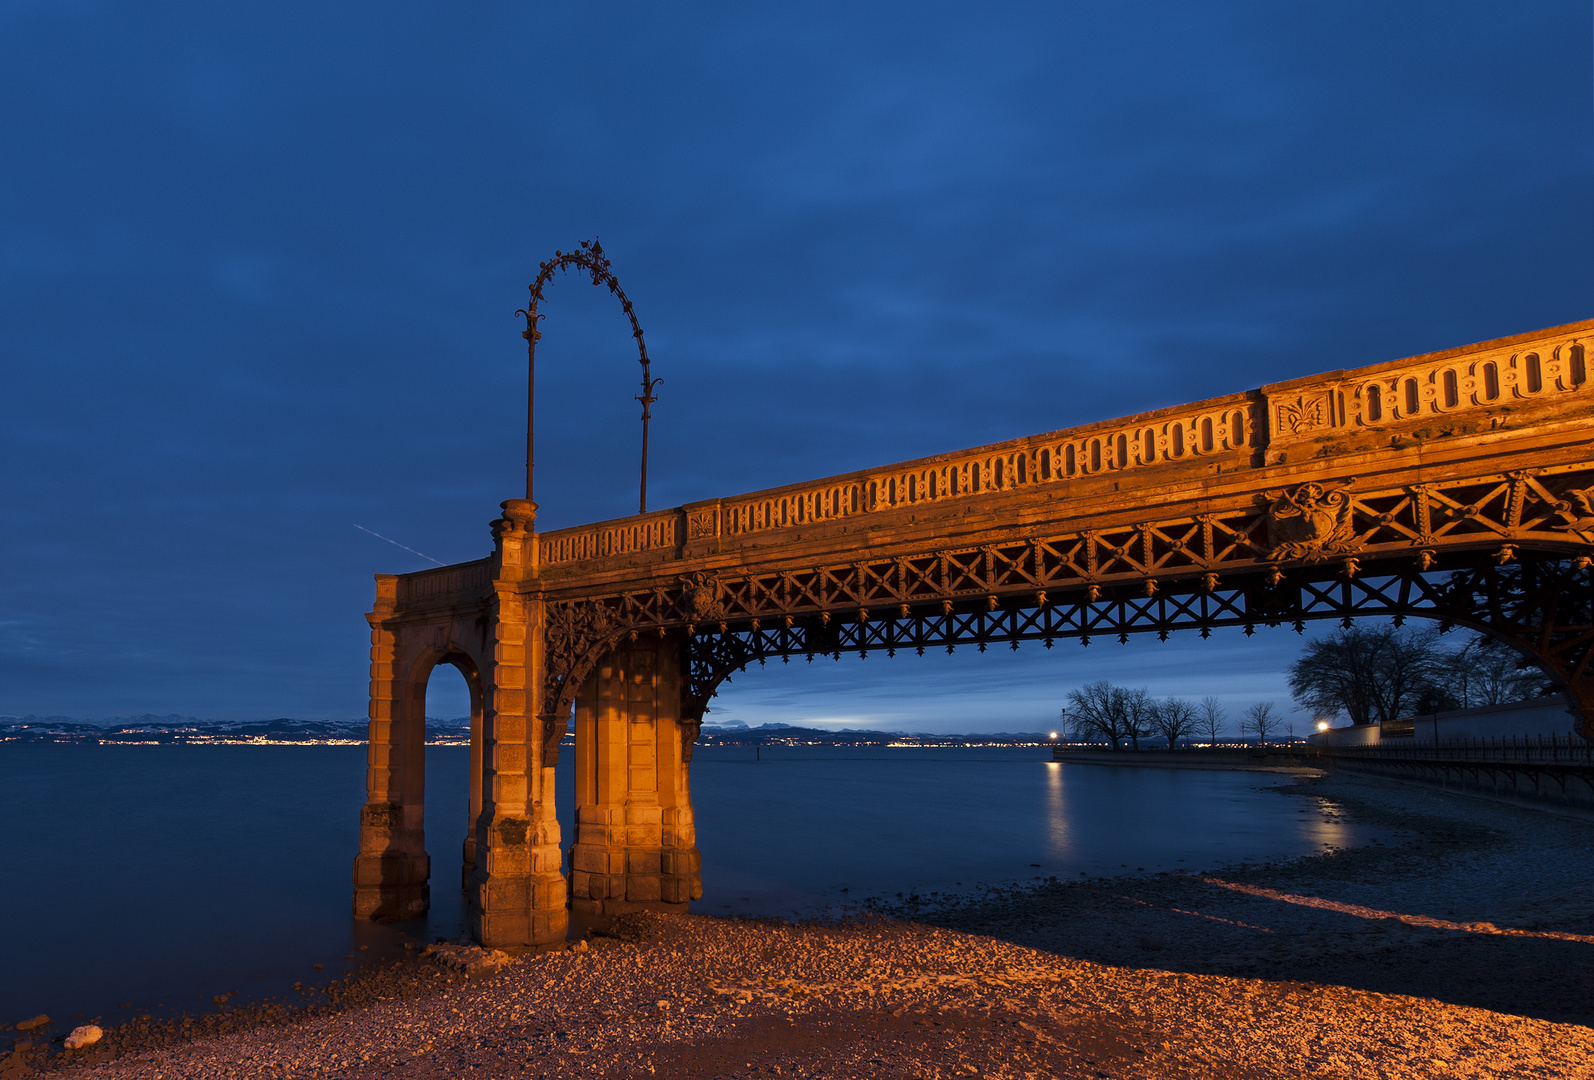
x=466 y=958
x=83 y=1036
x=35 y=1022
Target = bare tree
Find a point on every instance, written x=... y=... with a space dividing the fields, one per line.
x=1174 y=719
x=1486 y=671
x=1212 y=718
x=1369 y=673
x=1097 y=711
x=1411 y=670
x=1139 y=714
x=1261 y=721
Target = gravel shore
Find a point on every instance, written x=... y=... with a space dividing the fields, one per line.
x=1462 y=946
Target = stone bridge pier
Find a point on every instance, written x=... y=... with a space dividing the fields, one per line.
x=634 y=845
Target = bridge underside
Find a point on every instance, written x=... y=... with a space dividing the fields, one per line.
x=1457 y=486
x=1541 y=603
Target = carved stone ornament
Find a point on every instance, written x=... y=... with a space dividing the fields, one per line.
x=700 y=597
x=690 y=730
x=699 y=524
x=1309 y=523
x=572 y=630
x=1304 y=414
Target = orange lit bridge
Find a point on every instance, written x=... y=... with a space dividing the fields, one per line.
x=1456 y=486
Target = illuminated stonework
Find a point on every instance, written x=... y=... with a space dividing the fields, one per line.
x=1452 y=486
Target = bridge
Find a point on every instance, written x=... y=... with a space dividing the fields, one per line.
x=1456 y=486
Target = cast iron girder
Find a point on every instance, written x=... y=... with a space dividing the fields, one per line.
x=1541 y=604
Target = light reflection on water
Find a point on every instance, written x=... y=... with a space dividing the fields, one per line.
x=1056 y=813
x=809 y=829
x=169 y=874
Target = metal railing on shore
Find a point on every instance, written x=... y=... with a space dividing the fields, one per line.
x=1563 y=749
x=1566 y=749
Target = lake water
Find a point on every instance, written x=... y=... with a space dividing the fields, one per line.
x=147 y=879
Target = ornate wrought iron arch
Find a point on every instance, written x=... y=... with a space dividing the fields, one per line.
x=590 y=258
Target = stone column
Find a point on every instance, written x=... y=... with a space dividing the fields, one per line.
x=474 y=804
x=682 y=866
x=635 y=844
x=517 y=890
x=392 y=868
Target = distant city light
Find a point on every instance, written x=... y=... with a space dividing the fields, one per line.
x=1053 y=735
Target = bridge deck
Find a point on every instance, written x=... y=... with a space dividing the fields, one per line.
x=1475 y=414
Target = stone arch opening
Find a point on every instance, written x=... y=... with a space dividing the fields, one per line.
x=449 y=691
x=392 y=873
x=418 y=687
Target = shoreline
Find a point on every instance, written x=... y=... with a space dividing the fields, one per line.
x=1220 y=760
x=155 y=964
x=1096 y=968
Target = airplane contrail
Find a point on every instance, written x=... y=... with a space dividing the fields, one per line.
x=395 y=543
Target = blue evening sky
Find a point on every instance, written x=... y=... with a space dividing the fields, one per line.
x=258 y=264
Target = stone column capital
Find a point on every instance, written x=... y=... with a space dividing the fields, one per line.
x=515 y=536
x=521 y=514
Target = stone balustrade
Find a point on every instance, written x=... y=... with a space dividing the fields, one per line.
x=1476 y=388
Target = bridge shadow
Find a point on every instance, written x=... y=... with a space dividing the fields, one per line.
x=1486 y=906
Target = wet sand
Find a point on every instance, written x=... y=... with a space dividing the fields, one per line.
x=1464 y=948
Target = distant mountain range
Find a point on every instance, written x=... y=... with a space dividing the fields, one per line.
x=188 y=730
x=739 y=734
x=181 y=730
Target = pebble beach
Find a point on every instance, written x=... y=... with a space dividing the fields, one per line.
x=1460 y=946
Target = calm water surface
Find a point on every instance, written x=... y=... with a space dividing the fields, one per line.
x=156 y=877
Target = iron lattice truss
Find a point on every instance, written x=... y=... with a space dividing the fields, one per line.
x=1316 y=552
x=1542 y=605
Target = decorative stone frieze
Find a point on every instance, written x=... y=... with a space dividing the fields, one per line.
x=1309 y=523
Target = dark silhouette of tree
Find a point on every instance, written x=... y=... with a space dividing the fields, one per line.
x=1100 y=710
x=1173 y=719
x=1140 y=711
x=1371 y=674
x=1260 y=720
x=1487 y=671
x=1212 y=718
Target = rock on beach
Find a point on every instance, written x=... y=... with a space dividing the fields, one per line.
x=83 y=1036
x=466 y=957
x=865 y=998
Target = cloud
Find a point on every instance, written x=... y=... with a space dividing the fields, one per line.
x=259 y=269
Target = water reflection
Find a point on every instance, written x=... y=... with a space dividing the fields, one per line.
x=1323 y=825
x=809 y=830
x=802 y=830
x=1056 y=812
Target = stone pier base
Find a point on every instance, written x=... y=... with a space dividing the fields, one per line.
x=636 y=840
